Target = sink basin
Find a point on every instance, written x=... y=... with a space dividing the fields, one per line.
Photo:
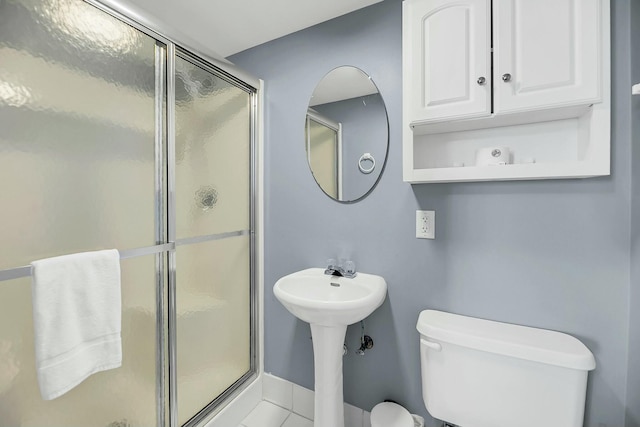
x=320 y=299
x=329 y=304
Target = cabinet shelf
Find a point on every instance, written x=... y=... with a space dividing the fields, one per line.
x=531 y=171
x=430 y=127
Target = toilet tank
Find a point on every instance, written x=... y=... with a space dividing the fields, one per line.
x=480 y=373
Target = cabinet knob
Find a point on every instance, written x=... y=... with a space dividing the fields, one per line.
x=481 y=81
x=506 y=77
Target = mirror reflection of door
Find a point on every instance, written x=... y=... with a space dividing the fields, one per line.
x=324 y=152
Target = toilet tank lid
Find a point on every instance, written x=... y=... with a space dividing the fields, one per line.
x=523 y=342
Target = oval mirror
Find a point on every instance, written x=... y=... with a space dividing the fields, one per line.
x=346 y=134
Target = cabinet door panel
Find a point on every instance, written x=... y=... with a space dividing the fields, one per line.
x=551 y=50
x=449 y=51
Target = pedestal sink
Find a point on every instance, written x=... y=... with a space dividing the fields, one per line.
x=329 y=304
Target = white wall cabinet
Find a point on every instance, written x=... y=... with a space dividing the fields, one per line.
x=478 y=73
x=451 y=68
x=547 y=53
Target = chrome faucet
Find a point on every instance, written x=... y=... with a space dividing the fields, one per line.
x=343 y=268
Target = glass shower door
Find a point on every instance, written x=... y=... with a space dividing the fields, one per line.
x=95 y=154
x=212 y=226
x=78 y=174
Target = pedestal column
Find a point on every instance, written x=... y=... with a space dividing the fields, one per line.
x=327 y=359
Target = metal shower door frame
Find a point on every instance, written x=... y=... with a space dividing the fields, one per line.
x=167 y=50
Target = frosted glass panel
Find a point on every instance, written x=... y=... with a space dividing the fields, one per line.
x=77 y=169
x=322 y=150
x=125 y=395
x=76 y=131
x=213 y=315
x=212 y=153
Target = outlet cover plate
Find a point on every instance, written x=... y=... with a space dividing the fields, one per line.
x=426 y=224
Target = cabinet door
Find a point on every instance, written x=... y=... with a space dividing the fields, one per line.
x=447 y=58
x=547 y=53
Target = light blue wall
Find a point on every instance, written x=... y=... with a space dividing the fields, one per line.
x=633 y=385
x=551 y=254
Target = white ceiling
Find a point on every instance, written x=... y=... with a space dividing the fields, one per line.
x=342 y=83
x=225 y=27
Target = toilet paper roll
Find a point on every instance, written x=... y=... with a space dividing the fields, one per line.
x=493 y=156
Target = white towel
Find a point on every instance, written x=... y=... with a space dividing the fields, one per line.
x=77 y=318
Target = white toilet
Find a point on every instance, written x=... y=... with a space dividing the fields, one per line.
x=479 y=373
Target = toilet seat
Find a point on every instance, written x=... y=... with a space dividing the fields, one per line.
x=388 y=414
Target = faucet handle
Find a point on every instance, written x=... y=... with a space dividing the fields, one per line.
x=350 y=267
x=331 y=263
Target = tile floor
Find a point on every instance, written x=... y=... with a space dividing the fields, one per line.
x=286 y=404
x=267 y=414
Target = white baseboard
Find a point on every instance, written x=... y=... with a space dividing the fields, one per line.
x=238 y=408
x=289 y=396
x=299 y=400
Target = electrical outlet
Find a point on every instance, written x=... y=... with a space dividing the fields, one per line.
x=426 y=224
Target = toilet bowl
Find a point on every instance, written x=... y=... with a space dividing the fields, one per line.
x=389 y=414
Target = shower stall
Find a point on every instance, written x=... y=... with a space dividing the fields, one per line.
x=114 y=136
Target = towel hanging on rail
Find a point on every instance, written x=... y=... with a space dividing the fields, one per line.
x=77 y=318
